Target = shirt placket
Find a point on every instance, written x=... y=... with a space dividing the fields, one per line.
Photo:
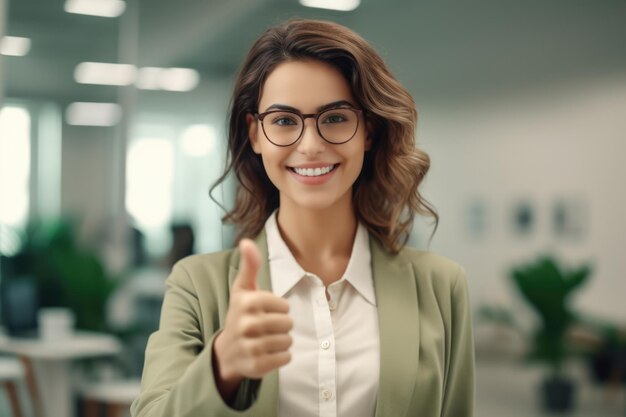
x=327 y=366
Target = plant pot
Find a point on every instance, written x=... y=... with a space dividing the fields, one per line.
x=557 y=394
x=19 y=304
x=609 y=365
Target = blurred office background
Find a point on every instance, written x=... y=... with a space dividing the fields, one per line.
x=112 y=129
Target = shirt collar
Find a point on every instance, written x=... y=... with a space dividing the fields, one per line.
x=358 y=272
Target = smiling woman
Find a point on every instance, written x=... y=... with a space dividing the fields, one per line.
x=319 y=315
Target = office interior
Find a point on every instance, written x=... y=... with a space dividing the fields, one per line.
x=112 y=130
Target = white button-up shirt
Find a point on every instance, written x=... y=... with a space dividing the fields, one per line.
x=335 y=354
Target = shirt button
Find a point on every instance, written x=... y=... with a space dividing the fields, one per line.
x=332 y=305
x=325 y=344
x=327 y=394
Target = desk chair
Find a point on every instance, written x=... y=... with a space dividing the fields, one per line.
x=116 y=396
x=13 y=379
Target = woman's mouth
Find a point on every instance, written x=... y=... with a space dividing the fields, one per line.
x=314 y=172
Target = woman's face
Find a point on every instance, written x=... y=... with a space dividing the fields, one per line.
x=307 y=86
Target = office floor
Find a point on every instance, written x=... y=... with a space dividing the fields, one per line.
x=509 y=389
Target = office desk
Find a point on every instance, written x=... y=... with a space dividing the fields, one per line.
x=52 y=361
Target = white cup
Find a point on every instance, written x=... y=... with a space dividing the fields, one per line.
x=55 y=323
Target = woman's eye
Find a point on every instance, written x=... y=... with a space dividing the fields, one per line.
x=334 y=118
x=284 y=121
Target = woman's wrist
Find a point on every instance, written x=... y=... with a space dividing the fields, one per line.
x=227 y=381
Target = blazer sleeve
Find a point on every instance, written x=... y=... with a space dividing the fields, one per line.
x=178 y=377
x=458 y=395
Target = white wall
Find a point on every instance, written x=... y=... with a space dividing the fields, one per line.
x=558 y=141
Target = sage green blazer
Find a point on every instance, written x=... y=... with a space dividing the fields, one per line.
x=426 y=346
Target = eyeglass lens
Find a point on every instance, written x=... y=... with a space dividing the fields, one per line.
x=334 y=125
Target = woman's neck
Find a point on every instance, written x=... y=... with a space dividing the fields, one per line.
x=318 y=235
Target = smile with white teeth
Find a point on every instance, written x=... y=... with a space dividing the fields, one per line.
x=313 y=172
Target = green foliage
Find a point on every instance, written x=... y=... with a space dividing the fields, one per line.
x=497 y=314
x=548 y=288
x=66 y=275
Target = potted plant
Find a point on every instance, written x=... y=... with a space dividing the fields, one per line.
x=548 y=289
x=605 y=351
x=63 y=273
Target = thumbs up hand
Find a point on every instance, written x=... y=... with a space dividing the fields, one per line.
x=255 y=339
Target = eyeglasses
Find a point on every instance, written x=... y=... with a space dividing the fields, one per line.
x=285 y=127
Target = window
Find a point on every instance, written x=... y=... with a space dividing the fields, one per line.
x=149 y=178
x=150 y=174
x=14 y=175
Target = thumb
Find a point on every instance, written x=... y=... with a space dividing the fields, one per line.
x=249 y=263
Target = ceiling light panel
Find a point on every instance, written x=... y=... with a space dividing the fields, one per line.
x=14 y=46
x=179 y=79
x=168 y=79
x=105 y=73
x=342 y=5
x=148 y=78
x=102 y=8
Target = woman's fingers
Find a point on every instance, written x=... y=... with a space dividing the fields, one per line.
x=277 y=343
x=261 y=301
x=266 y=345
x=266 y=323
x=259 y=366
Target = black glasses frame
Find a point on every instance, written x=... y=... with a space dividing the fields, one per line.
x=303 y=117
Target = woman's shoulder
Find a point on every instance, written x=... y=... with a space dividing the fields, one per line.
x=433 y=267
x=206 y=260
x=200 y=268
x=428 y=259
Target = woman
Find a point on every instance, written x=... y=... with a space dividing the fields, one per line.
x=325 y=312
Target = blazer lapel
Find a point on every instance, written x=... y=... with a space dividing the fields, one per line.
x=398 y=321
x=267 y=400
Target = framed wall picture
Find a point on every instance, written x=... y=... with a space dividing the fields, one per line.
x=523 y=218
x=570 y=218
x=476 y=218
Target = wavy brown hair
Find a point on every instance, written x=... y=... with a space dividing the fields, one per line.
x=386 y=196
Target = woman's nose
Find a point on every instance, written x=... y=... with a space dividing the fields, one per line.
x=311 y=142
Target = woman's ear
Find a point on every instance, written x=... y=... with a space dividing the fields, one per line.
x=253 y=132
x=369 y=134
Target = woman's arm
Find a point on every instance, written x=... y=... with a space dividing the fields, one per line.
x=458 y=396
x=178 y=378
